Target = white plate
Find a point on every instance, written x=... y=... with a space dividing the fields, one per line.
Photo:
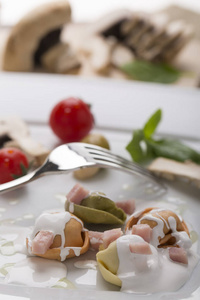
x=23 y=206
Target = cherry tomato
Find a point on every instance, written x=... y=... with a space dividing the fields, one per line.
x=13 y=164
x=71 y=119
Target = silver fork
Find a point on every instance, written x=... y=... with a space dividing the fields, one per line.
x=74 y=156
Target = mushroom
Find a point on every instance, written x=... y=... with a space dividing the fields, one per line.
x=149 y=37
x=60 y=59
x=170 y=169
x=33 y=35
x=121 y=55
x=98 y=52
x=15 y=133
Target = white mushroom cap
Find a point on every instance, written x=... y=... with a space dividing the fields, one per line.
x=25 y=36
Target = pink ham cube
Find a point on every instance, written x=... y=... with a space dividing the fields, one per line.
x=103 y=238
x=42 y=242
x=77 y=194
x=128 y=206
x=140 y=248
x=178 y=255
x=143 y=230
x=96 y=239
x=110 y=236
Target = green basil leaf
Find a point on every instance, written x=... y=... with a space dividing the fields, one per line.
x=152 y=123
x=134 y=147
x=151 y=72
x=173 y=149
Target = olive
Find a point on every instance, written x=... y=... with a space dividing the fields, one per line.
x=94 y=139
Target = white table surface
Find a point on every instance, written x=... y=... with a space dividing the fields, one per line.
x=115 y=103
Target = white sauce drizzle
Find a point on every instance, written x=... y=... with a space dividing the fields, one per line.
x=71 y=207
x=182 y=238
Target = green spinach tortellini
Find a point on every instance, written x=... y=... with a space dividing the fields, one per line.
x=96 y=208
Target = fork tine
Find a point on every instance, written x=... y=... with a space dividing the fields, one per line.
x=131 y=168
x=99 y=153
x=122 y=163
x=105 y=157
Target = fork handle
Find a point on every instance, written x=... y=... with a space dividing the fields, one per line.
x=47 y=168
x=11 y=185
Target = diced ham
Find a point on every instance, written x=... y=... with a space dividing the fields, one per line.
x=96 y=239
x=103 y=238
x=42 y=242
x=128 y=206
x=143 y=230
x=140 y=248
x=178 y=255
x=77 y=194
x=110 y=236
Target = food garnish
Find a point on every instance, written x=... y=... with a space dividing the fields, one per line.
x=71 y=119
x=168 y=148
x=14 y=132
x=98 y=48
x=151 y=72
x=13 y=164
x=36 y=33
x=171 y=170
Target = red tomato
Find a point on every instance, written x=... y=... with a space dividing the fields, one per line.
x=71 y=120
x=13 y=163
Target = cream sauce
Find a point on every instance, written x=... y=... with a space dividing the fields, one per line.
x=141 y=273
x=37 y=272
x=86 y=264
x=17 y=268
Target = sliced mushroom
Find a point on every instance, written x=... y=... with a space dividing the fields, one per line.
x=149 y=37
x=170 y=169
x=98 y=52
x=11 y=126
x=14 y=132
x=111 y=24
x=60 y=59
x=121 y=55
x=35 y=33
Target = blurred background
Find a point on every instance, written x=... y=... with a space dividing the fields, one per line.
x=186 y=64
x=89 y=10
